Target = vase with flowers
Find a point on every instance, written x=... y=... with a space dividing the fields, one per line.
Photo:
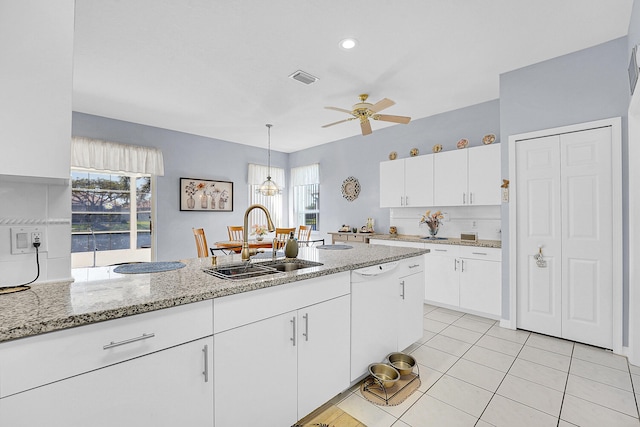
x=259 y=231
x=433 y=222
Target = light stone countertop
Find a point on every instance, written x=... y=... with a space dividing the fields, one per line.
x=447 y=241
x=99 y=294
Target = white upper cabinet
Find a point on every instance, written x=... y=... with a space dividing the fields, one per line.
x=468 y=177
x=450 y=176
x=484 y=175
x=36 y=41
x=407 y=182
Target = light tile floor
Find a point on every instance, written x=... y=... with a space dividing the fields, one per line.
x=475 y=373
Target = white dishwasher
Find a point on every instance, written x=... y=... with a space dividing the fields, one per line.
x=374 y=315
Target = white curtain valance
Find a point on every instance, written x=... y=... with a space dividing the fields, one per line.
x=305 y=175
x=113 y=156
x=258 y=173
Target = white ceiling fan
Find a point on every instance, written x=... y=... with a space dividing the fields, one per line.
x=365 y=110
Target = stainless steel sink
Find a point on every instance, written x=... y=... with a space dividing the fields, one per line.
x=291 y=265
x=240 y=271
x=248 y=270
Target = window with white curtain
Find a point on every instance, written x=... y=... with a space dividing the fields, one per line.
x=275 y=204
x=305 y=181
x=111 y=201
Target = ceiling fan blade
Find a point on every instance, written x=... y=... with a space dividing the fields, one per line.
x=341 y=121
x=395 y=119
x=366 y=127
x=339 y=109
x=382 y=104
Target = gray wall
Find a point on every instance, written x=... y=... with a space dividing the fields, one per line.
x=587 y=85
x=360 y=156
x=187 y=156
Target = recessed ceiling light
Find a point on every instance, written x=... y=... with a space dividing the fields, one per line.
x=348 y=44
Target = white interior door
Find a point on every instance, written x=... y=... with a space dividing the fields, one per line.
x=539 y=222
x=587 y=237
x=564 y=201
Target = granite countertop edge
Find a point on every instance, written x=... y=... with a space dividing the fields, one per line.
x=26 y=318
x=447 y=241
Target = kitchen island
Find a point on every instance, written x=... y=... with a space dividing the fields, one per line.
x=186 y=347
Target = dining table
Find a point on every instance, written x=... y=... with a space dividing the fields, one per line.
x=236 y=245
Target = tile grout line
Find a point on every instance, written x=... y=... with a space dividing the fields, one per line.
x=503 y=378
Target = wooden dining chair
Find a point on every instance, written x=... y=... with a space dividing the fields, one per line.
x=201 y=242
x=236 y=232
x=304 y=235
x=283 y=233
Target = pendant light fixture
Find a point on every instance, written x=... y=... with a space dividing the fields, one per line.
x=268 y=187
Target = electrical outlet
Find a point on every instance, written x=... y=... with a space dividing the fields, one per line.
x=36 y=237
x=22 y=239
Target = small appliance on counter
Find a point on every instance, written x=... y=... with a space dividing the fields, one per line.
x=469 y=237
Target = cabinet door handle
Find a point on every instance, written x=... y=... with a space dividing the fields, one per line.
x=455 y=264
x=205 y=350
x=402 y=285
x=470 y=198
x=462 y=269
x=293 y=337
x=464 y=198
x=401 y=200
x=129 y=341
x=306 y=326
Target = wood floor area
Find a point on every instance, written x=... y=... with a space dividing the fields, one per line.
x=329 y=415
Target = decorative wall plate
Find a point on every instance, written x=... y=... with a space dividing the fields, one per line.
x=350 y=188
x=393 y=155
x=488 y=139
x=414 y=152
x=437 y=148
x=462 y=143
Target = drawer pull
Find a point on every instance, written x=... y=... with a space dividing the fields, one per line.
x=479 y=253
x=205 y=350
x=440 y=250
x=129 y=341
x=414 y=266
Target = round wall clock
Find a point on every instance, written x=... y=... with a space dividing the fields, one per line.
x=350 y=189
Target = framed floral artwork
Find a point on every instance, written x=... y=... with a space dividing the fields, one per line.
x=206 y=195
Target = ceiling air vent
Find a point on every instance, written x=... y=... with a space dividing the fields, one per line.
x=303 y=77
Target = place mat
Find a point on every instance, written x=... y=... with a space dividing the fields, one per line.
x=148 y=267
x=329 y=415
x=392 y=396
x=334 y=247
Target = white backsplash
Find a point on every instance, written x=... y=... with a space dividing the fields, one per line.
x=484 y=220
x=42 y=205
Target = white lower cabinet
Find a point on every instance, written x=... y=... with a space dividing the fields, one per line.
x=165 y=388
x=149 y=369
x=441 y=271
x=274 y=368
x=464 y=277
x=386 y=311
x=411 y=311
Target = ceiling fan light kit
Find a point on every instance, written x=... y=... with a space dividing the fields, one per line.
x=365 y=110
x=268 y=187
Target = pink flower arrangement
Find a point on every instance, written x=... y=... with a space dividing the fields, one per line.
x=259 y=230
x=432 y=219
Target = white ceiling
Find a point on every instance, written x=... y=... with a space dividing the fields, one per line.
x=220 y=68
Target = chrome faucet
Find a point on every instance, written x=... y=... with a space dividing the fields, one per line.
x=246 y=254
